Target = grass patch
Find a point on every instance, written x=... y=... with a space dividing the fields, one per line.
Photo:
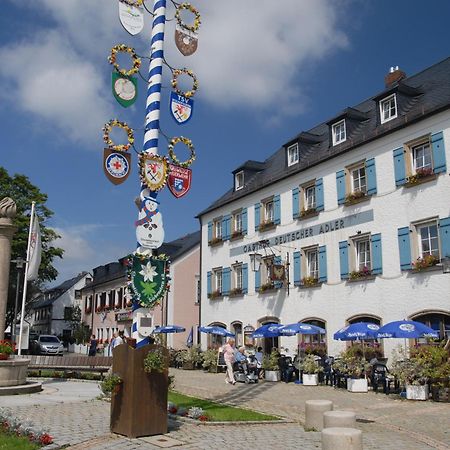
x=216 y=411
x=11 y=442
x=47 y=373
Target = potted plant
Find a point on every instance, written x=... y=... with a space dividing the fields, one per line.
x=210 y=360
x=6 y=349
x=310 y=370
x=192 y=357
x=355 y=367
x=271 y=367
x=111 y=384
x=156 y=361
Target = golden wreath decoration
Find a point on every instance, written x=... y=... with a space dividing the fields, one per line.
x=124 y=48
x=188 y=144
x=176 y=73
x=109 y=142
x=196 y=25
x=137 y=3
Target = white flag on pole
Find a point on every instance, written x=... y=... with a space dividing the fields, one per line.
x=34 y=259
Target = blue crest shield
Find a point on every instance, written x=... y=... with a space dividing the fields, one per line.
x=181 y=108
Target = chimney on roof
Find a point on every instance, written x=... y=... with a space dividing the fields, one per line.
x=394 y=75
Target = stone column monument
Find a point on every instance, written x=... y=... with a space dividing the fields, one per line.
x=7 y=230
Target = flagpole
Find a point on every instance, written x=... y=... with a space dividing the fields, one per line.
x=25 y=278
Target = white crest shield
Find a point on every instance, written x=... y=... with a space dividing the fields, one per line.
x=131 y=18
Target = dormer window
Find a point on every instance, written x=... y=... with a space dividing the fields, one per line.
x=338 y=131
x=292 y=154
x=388 y=108
x=239 y=180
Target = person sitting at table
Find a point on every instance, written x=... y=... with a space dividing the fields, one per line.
x=286 y=368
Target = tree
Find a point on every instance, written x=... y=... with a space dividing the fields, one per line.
x=20 y=189
x=80 y=332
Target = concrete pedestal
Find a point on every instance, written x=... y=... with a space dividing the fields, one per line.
x=13 y=372
x=341 y=439
x=314 y=410
x=339 y=419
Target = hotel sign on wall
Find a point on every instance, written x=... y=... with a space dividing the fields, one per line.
x=124 y=316
x=307 y=232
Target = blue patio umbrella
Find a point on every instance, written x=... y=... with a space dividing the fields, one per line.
x=300 y=328
x=355 y=331
x=216 y=330
x=406 y=329
x=269 y=330
x=190 y=338
x=169 y=329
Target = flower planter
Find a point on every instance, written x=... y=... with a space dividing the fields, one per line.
x=4 y=356
x=310 y=379
x=272 y=375
x=188 y=365
x=13 y=372
x=357 y=385
x=417 y=392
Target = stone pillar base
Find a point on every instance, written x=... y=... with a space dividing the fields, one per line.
x=13 y=372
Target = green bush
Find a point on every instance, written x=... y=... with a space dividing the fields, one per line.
x=210 y=359
x=156 y=361
x=109 y=383
x=270 y=362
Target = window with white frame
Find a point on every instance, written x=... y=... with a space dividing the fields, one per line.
x=237 y=278
x=338 y=132
x=362 y=254
x=237 y=222
x=268 y=211
x=218 y=280
x=358 y=178
x=239 y=180
x=217 y=229
x=292 y=154
x=265 y=270
x=421 y=158
x=388 y=108
x=312 y=263
x=309 y=200
x=428 y=239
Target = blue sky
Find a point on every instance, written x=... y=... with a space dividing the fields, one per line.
x=267 y=70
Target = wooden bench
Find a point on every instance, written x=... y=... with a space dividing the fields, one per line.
x=100 y=364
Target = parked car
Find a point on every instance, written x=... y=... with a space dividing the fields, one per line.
x=47 y=344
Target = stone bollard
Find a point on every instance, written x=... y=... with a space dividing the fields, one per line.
x=339 y=419
x=341 y=439
x=314 y=410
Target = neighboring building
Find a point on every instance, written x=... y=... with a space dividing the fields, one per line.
x=50 y=311
x=355 y=206
x=107 y=306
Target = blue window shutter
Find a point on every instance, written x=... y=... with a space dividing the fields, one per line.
x=210 y=231
x=276 y=209
x=228 y=222
x=377 y=261
x=277 y=261
x=343 y=259
x=295 y=204
x=244 y=220
x=258 y=280
x=340 y=186
x=224 y=228
x=297 y=268
x=209 y=285
x=257 y=215
x=245 y=278
x=437 y=144
x=371 y=175
x=319 y=195
x=404 y=247
x=322 y=256
x=444 y=231
x=399 y=166
x=226 y=281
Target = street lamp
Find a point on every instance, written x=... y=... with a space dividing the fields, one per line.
x=445 y=262
x=19 y=265
x=255 y=261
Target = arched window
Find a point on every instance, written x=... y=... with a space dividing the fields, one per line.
x=376 y=344
x=236 y=328
x=314 y=343
x=214 y=340
x=437 y=320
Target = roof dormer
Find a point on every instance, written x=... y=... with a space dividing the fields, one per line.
x=245 y=172
x=342 y=126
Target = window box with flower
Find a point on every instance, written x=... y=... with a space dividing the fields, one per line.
x=309 y=212
x=422 y=175
x=235 y=292
x=214 y=294
x=356 y=197
x=215 y=241
x=425 y=262
x=236 y=235
x=266 y=287
x=309 y=282
x=365 y=273
x=266 y=226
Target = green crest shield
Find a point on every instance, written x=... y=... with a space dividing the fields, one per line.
x=125 y=89
x=148 y=279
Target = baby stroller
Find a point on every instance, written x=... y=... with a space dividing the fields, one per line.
x=246 y=372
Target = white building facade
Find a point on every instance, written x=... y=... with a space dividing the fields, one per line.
x=356 y=211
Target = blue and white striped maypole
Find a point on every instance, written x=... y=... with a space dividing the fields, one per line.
x=152 y=123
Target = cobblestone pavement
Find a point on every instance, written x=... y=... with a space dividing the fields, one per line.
x=386 y=423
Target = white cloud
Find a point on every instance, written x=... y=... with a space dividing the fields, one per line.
x=252 y=55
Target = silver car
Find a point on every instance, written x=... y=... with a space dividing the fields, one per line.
x=49 y=345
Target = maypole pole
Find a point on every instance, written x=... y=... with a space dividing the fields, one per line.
x=151 y=134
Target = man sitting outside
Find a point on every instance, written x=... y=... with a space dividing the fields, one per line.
x=241 y=358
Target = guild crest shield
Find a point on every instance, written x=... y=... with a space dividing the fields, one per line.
x=179 y=180
x=116 y=165
x=181 y=108
x=131 y=18
x=186 y=40
x=153 y=171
